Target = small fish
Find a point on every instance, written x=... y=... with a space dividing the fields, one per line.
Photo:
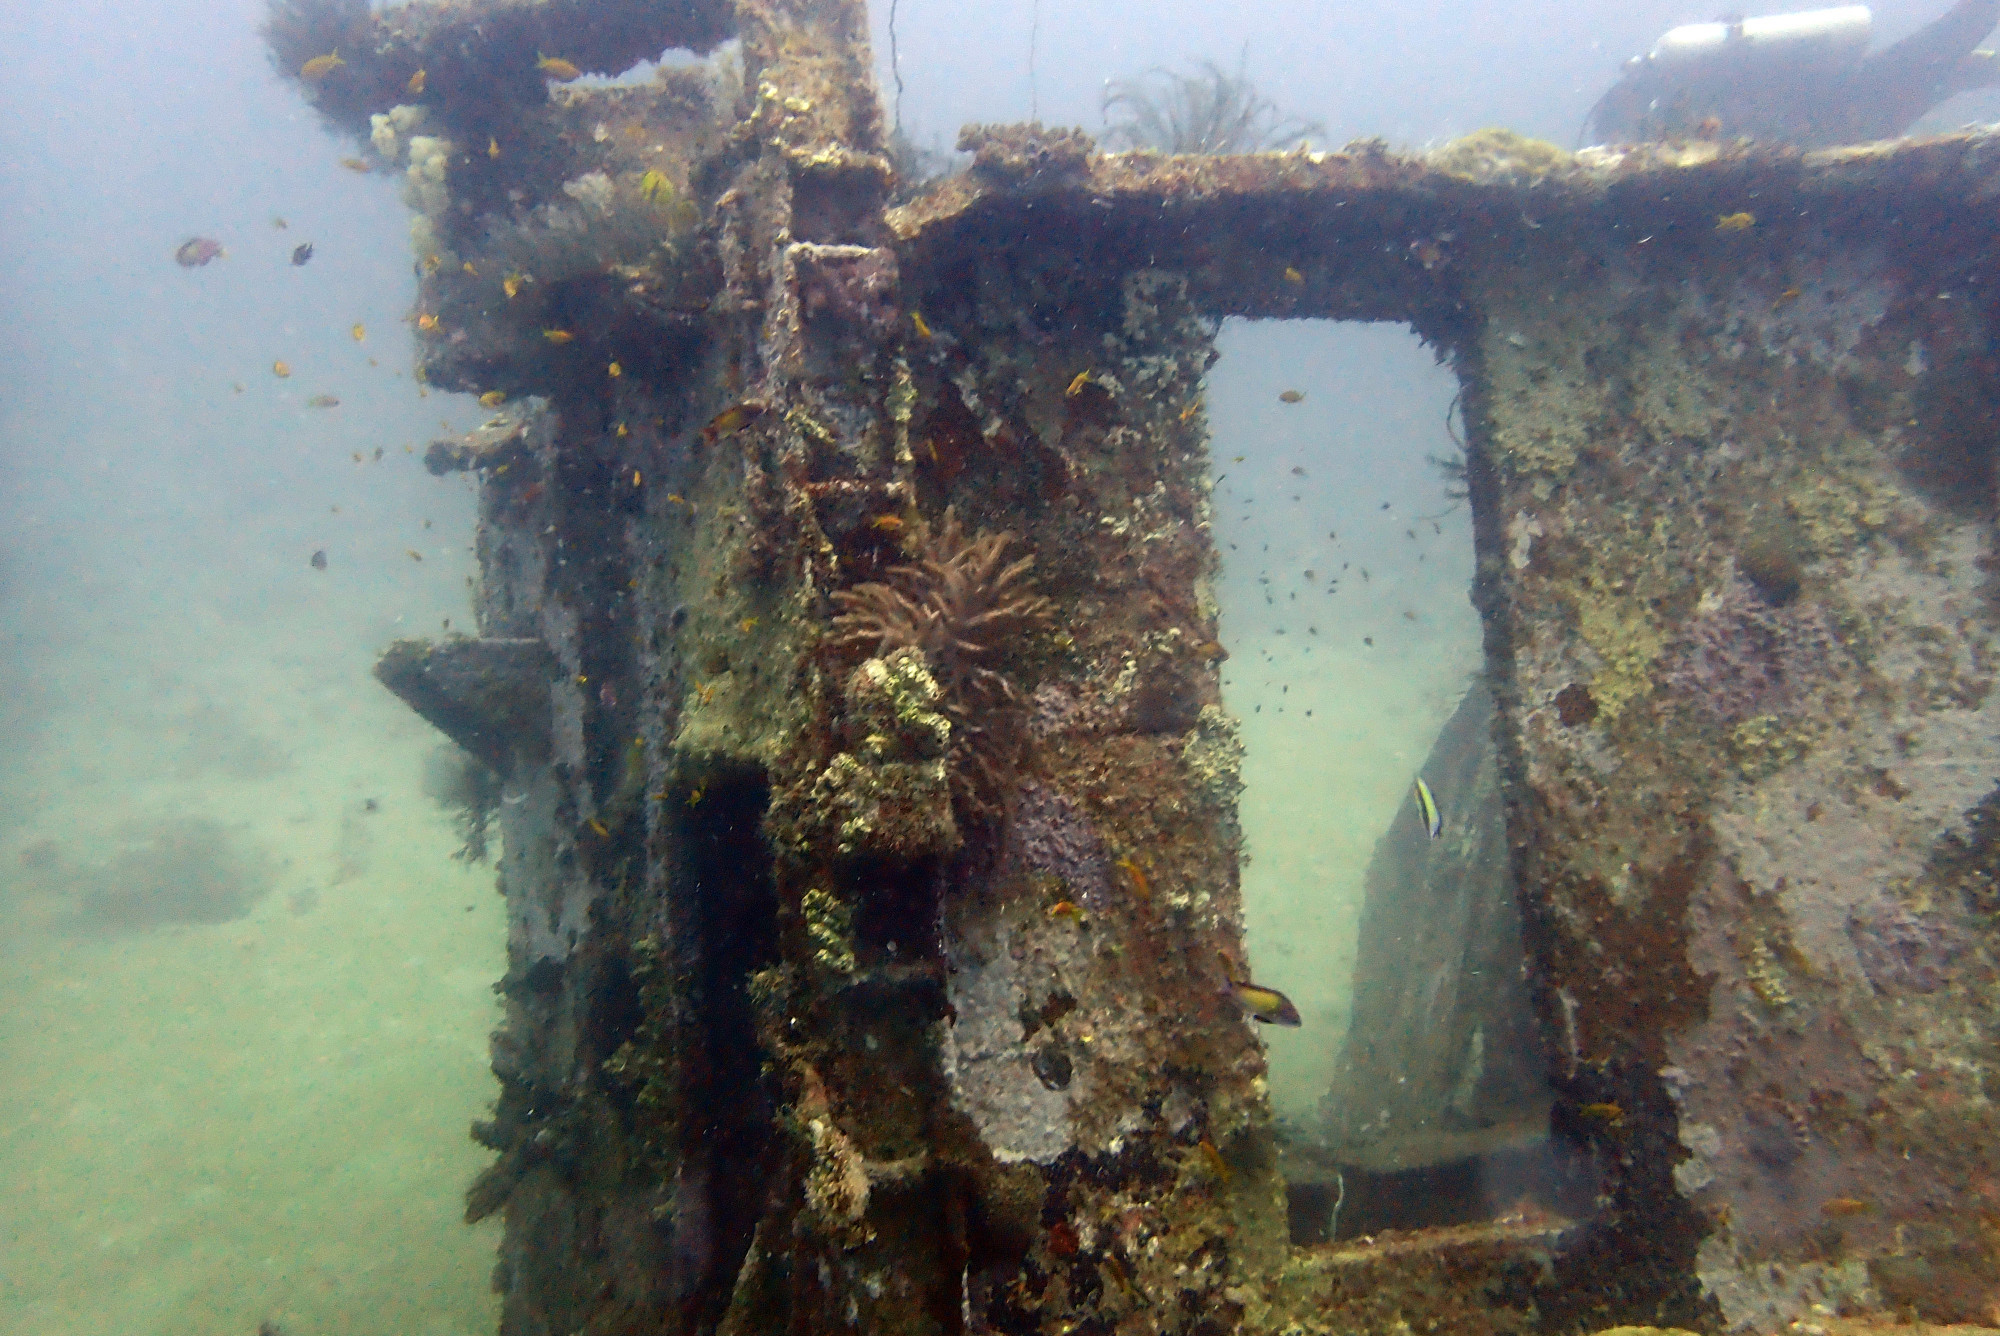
x=614 y=371
x=360 y=331
x=431 y=262
x=302 y=253
x=356 y=165
x=1266 y=1004
x=1066 y=909
x=279 y=223
x=281 y=369
x=1788 y=295
x=1293 y=276
x=1609 y=1114
x=1292 y=397
x=413 y=554
x=1212 y=1159
x=1076 y=386
x=887 y=523
x=427 y=322
x=492 y=147
x=236 y=385
x=1193 y=407
x=555 y=67
x=1136 y=876
x=922 y=326
x=378 y=459
x=558 y=336
x=415 y=87
x=599 y=828
x=729 y=421
x=1427 y=809
x=322 y=401
x=655 y=188
x=511 y=285
x=1298 y=471
x=320 y=66
x=1735 y=222
x=468 y=268
x=1839 y=1206
x=493 y=398
x=196 y=252
x=318 y=562
x=623 y=432
x=747 y=625
x=1210 y=651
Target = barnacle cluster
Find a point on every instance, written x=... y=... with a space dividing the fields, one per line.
x=960 y=603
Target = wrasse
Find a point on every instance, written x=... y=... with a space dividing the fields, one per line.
x=1193 y=407
x=614 y=371
x=511 y=285
x=887 y=523
x=1266 y=1004
x=1076 y=386
x=730 y=421
x=924 y=329
x=492 y=147
x=1293 y=276
x=1735 y=222
x=1212 y=1159
x=1839 y=1206
x=415 y=86
x=493 y=398
x=1427 y=809
x=427 y=322
x=320 y=66
x=1066 y=909
x=558 y=336
x=1612 y=1116
x=655 y=188
x=356 y=165
x=1135 y=875
x=555 y=67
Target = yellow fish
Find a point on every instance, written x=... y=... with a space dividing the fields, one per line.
x=415 y=86
x=1066 y=909
x=654 y=187
x=321 y=66
x=1136 y=875
x=431 y=262
x=558 y=336
x=1292 y=397
x=427 y=322
x=492 y=147
x=1610 y=1115
x=1735 y=222
x=281 y=369
x=623 y=432
x=1266 y=1004
x=1427 y=809
x=615 y=370
x=511 y=285
x=1193 y=407
x=1293 y=276
x=917 y=319
x=493 y=398
x=467 y=267
x=729 y=421
x=1076 y=386
x=356 y=165
x=555 y=67
x=359 y=332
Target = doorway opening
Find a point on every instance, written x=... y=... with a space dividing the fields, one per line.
x=1412 y=1094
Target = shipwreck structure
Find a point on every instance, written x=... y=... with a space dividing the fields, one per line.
x=847 y=649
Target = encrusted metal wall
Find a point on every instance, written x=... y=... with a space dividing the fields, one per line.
x=873 y=896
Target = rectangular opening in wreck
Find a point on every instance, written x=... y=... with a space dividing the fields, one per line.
x=1410 y=1094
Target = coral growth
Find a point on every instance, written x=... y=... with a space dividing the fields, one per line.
x=1500 y=157
x=1209 y=111
x=962 y=604
x=1740 y=658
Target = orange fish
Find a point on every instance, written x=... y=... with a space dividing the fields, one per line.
x=281 y=369
x=555 y=67
x=320 y=66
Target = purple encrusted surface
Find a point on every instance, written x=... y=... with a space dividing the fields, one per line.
x=1049 y=834
x=1739 y=657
